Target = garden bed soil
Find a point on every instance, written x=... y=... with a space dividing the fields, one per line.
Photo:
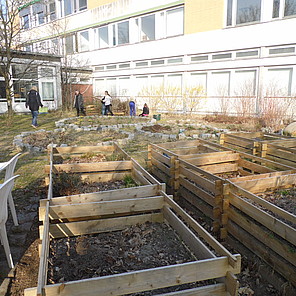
x=67 y=184
x=139 y=247
x=283 y=198
x=92 y=157
x=71 y=137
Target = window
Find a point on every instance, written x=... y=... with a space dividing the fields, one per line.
x=221 y=56
x=279 y=82
x=51 y=11
x=249 y=53
x=142 y=64
x=282 y=50
x=111 y=67
x=103 y=37
x=175 y=60
x=246 y=11
x=124 y=66
x=282 y=8
x=73 y=6
x=157 y=62
x=220 y=83
x=290 y=7
x=70 y=44
x=198 y=80
x=47 y=91
x=175 y=22
x=84 y=41
x=26 y=22
x=244 y=83
x=199 y=58
x=123 y=32
x=148 y=28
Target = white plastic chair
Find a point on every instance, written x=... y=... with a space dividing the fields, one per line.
x=8 y=174
x=5 y=190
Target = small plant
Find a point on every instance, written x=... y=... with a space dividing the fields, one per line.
x=66 y=184
x=88 y=155
x=114 y=157
x=129 y=182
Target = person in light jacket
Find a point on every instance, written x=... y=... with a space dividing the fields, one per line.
x=107 y=101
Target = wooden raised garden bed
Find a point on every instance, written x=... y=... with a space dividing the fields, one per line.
x=281 y=149
x=224 y=186
x=211 y=271
x=267 y=228
x=199 y=178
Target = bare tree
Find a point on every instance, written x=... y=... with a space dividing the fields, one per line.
x=10 y=43
x=192 y=97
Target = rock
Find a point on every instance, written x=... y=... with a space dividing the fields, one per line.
x=182 y=136
x=290 y=130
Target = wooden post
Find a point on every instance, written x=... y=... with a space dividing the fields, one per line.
x=172 y=172
x=177 y=179
x=225 y=207
x=222 y=139
x=149 y=157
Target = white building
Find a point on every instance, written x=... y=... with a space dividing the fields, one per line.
x=240 y=54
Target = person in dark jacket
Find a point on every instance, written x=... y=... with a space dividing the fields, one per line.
x=145 y=111
x=33 y=101
x=79 y=103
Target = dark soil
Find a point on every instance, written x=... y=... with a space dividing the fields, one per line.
x=135 y=248
x=156 y=128
x=67 y=184
x=139 y=247
x=283 y=198
x=93 y=157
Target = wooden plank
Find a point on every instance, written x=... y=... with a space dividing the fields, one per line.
x=196 y=246
x=269 y=206
x=104 y=177
x=232 y=284
x=98 y=226
x=280 y=228
x=266 y=162
x=83 y=149
x=92 y=167
x=278 y=246
x=257 y=168
x=139 y=177
x=220 y=168
x=199 y=180
x=106 y=208
x=194 y=200
x=160 y=157
x=280 y=153
x=161 y=166
x=220 y=249
x=210 y=290
x=147 y=175
x=267 y=175
x=161 y=176
x=116 y=194
x=162 y=150
x=198 y=192
x=144 y=280
x=199 y=170
x=274 y=261
x=178 y=144
x=264 y=184
x=215 y=158
x=281 y=160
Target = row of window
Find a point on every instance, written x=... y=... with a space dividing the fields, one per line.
x=43 y=12
x=154 y=26
x=242 y=54
x=246 y=11
x=236 y=82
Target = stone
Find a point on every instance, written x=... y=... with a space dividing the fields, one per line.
x=290 y=130
x=182 y=136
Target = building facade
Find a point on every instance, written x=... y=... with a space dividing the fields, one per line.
x=206 y=56
x=27 y=70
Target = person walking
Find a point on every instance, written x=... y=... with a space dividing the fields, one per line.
x=33 y=101
x=107 y=102
x=79 y=103
x=132 y=106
